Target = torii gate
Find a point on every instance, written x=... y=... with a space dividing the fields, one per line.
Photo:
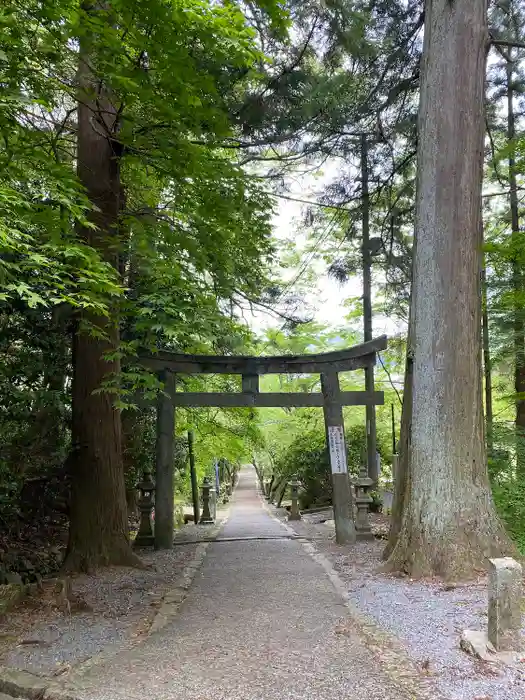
x=331 y=399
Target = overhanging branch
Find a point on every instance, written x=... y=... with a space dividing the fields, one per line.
x=507 y=44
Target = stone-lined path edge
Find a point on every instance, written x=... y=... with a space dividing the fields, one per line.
x=391 y=655
x=173 y=599
x=30 y=686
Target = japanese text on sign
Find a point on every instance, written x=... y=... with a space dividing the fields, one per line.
x=336 y=444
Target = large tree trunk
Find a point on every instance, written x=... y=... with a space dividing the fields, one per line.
x=98 y=533
x=449 y=525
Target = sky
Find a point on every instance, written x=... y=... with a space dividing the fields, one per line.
x=326 y=301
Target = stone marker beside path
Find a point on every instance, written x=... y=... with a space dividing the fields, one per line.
x=505 y=593
x=10 y=595
x=502 y=641
x=295 y=513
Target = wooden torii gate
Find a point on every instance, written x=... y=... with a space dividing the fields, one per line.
x=331 y=399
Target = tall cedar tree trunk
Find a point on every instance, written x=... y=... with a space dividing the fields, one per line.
x=449 y=523
x=517 y=276
x=98 y=533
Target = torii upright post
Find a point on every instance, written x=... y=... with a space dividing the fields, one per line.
x=165 y=464
x=342 y=498
x=193 y=477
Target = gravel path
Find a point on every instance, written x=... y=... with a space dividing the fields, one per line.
x=262 y=621
x=122 y=603
x=426 y=617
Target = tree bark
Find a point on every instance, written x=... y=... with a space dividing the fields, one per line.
x=98 y=534
x=450 y=525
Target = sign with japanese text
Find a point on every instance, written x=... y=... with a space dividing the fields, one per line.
x=336 y=444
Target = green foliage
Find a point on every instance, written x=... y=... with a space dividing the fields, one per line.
x=504 y=260
x=207 y=94
x=509 y=498
x=307 y=457
x=172 y=70
x=34 y=400
x=507 y=485
x=294 y=440
x=41 y=202
x=194 y=225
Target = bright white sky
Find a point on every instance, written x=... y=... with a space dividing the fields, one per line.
x=327 y=300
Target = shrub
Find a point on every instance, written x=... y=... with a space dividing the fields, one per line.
x=307 y=457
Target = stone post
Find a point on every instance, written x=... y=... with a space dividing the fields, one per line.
x=505 y=593
x=213 y=503
x=363 y=501
x=206 y=518
x=395 y=463
x=294 y=510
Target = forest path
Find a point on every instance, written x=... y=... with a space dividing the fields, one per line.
x=262 y=621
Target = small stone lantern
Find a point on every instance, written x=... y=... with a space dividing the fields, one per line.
x=294 y=510
x=146 y=488
x=213 y=503
x=363 y=501
x=206 y=516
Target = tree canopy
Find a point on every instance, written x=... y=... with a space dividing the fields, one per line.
x=147 y=149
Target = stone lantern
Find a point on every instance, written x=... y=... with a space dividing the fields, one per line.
x=146 y=489
x=206 y=516
x=363 y=501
